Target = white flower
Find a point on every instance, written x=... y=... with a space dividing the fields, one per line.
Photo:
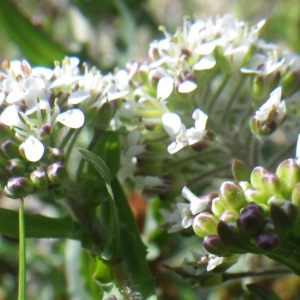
x=187 y=87
x=213 y=262
x=271 y=106
x=196 y=133
x=171 y=123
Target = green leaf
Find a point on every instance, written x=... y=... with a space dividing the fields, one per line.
x=97 y=162
x=38 y=226
x=133 y=251
x=35 y=44
x=261 y=293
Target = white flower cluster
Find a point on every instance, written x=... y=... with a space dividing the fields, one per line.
x=35 y=99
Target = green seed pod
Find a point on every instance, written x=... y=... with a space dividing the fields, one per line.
x=18 y=187
x=218 y=206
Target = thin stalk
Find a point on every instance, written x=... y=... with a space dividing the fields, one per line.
x=209 y=173
x=22 y=253
x=214 y=98
x=227 y=108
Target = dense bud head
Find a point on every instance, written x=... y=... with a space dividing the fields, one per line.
x=233 y=194
x=267 y=241
x=18 y=187
x=57 y=173
x=288 y=173
x=205 y=223
x=251 y=221
x=15 y=166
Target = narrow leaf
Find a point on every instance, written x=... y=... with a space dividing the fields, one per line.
x=38 y=226
x=35 y=44
x=98 y=163
x=259 y=292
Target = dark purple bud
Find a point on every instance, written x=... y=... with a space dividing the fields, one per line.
x=213 y=244
x=267 y=241
x=251 y=222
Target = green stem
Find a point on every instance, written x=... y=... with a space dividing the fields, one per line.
x=22 y=252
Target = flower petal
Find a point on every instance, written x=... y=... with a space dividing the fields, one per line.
x=10 y=116
x=171 y=123
x=33 y=149
x=73 y=118
x=187 y=87
x=164 y=88
x=77 y=97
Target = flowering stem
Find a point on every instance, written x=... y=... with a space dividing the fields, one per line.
x=22 y=252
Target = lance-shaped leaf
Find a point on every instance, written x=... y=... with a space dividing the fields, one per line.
x=36 y=46
x=38 y=226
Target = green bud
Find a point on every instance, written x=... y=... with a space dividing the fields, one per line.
x=40 y=179
x=213 y=244
x=15 y=166
x=296 y=195
x=265 y=181
x=18 y=187
x=288 y=173
x=254 y=195
x=240 y=171
x=218 y=206
x=204 y=224
x=54 y=154
x=258 y=88
x=229 y=216
x=10 y=149
x=232 y=194
x=262 y=128
x=290 y=83
x=57 y=173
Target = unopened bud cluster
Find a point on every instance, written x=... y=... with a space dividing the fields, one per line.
x=21 y=178
x=258 y=214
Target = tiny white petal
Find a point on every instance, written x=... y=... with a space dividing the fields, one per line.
x=73 y=118
x=164 y=88
x=188 y=195
x=214 y=262
x=205 y=63
x=298 y=147
x=171 y=123
x=16 y=96
x=187 y=87
x=200 y=119
x=78 y=96
x=116 y=95
x=33 y=149
x=10 y=116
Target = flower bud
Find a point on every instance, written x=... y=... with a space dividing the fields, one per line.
x=18 y=187
x=45 y=131
x=57 y=173
x=218 y=206
x=290 y=83
x=40 y=179
x=233 y=195
x=296 y=195
x=54 y=155
x=15 y=166
x=254 y=195
x=267 y=241
x=205 y=223
x=288 y=173
x=10 y=149
x=281 y=220
x=265 y=181
x=229 y=216
x=213 y=244
x=250 y=222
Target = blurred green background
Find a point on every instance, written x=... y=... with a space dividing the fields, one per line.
x=107 y=34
